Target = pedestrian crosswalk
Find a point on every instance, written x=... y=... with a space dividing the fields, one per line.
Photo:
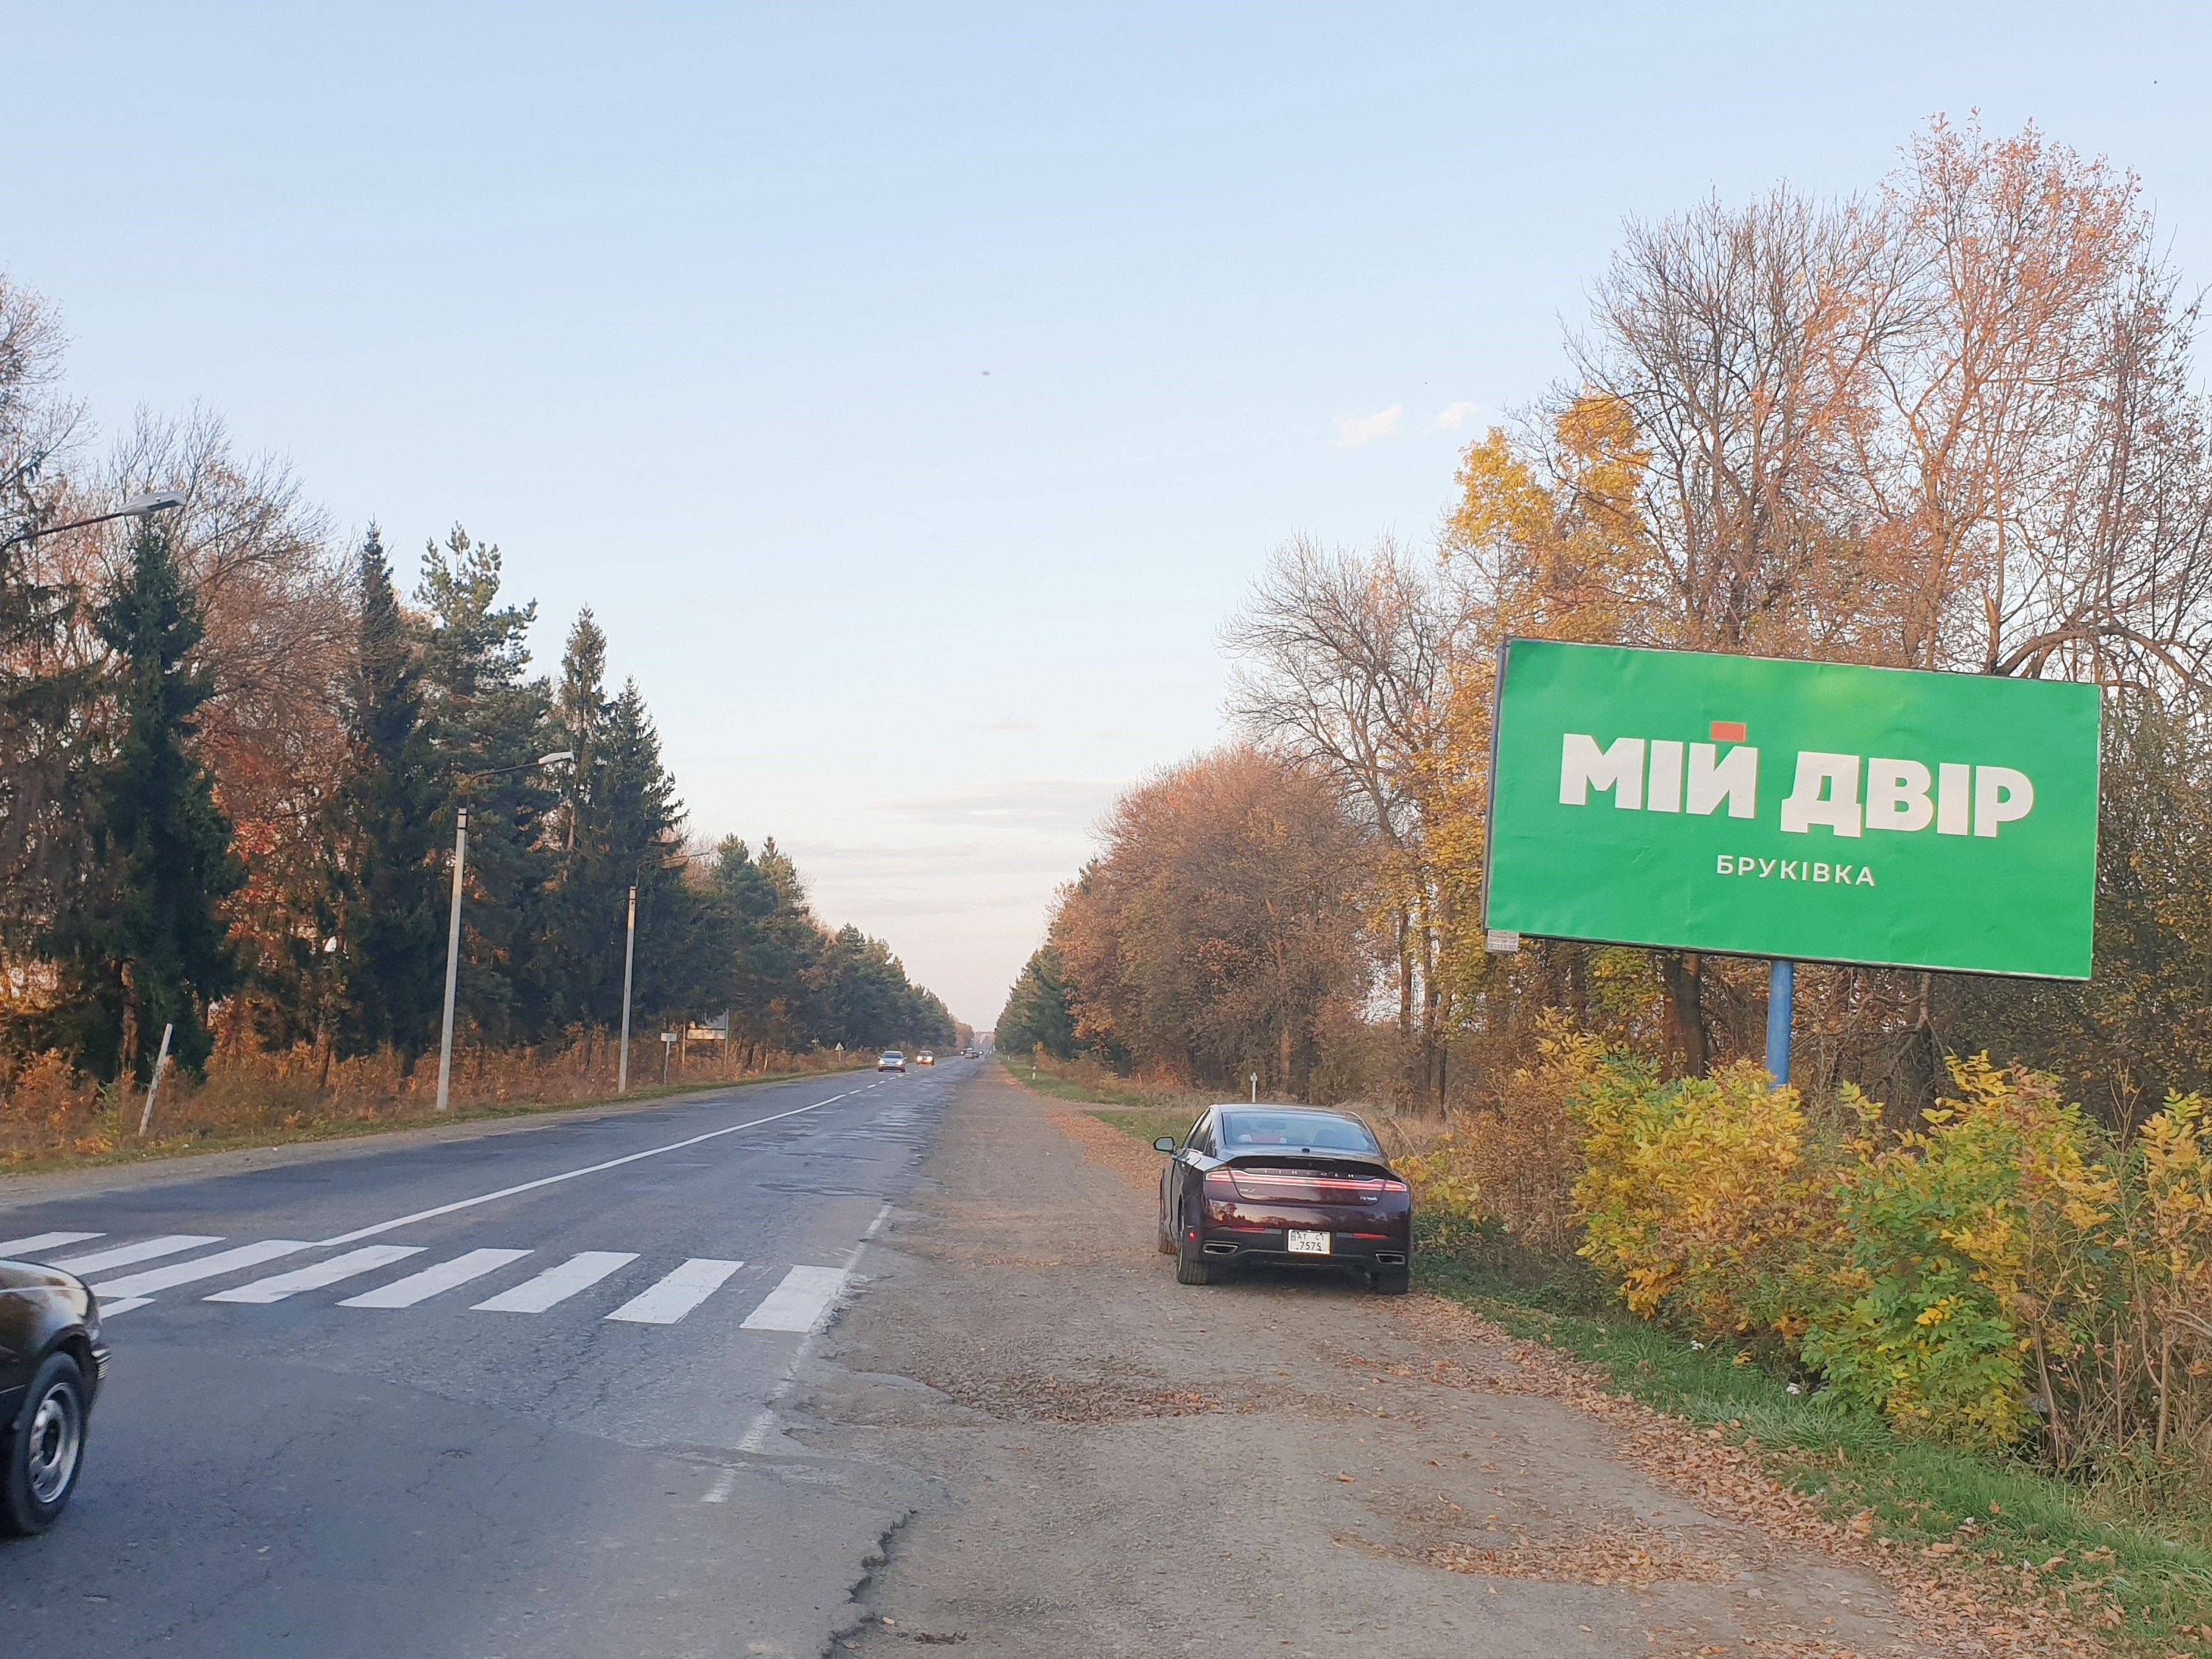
x=130 y=1273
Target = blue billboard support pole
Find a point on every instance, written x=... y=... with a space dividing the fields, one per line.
x=1781 y=993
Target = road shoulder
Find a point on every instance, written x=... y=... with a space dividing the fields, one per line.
x=1271 y=1466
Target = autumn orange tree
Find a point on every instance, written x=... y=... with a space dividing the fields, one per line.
x=1220 y=932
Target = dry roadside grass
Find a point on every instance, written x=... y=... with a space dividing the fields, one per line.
x=51 y=1119
x=1961 y=1608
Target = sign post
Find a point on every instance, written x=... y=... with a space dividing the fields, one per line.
x=1799 y=812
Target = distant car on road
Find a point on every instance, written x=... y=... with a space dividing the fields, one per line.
x=925 y=1058
x=51 y=1361
x=890 y=1061
x=1283 y=1184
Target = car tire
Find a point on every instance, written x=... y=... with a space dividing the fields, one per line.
x=1167 y=1234
x=1391 y=1281
x=1191 y=1266
x=44 y=1454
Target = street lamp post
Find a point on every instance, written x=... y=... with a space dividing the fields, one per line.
x=138 y=507
x=453 y=914
x=629 y=955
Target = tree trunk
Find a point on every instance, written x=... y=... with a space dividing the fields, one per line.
x=1682 y=975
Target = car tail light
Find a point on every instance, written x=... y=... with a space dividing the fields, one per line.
x=1218 y=1185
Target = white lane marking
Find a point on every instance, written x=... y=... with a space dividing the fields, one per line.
x=31 y=1242
x=874 y=1227
x=720 y=1492
x=801 y=1301
x=278 y=1286
x=199 y=1267
x=754 y=1438
x=678 y=1293
x=109 y=1309
x=359 y=1233
x=580 y=1272
x=145 y=1250
x=431 y=1281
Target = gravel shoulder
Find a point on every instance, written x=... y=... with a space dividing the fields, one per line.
x=1283 y=1464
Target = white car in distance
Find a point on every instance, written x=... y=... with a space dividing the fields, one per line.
x=890 y=1061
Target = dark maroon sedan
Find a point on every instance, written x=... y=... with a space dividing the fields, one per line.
x=1285 y=1184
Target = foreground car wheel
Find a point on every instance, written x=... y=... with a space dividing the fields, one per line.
x=1391 y=1281
x=1191 y=1266
x=46 y=1450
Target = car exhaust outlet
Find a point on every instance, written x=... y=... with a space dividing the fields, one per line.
x=1217 y=1247
x=1389 y=1259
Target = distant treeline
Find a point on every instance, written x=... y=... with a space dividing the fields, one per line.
x=231 y=759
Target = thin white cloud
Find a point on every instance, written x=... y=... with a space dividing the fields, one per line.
x=1453 y=416
x=1353 y=430
x=1011 y=723
x=1064 y=805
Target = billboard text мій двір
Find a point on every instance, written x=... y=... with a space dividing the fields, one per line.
x=1819 y=811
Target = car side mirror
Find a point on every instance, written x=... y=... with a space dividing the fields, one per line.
x=1165 y=1144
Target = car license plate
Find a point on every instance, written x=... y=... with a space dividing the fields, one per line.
x=1304 y=1243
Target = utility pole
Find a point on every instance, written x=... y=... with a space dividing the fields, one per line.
x=452 y=957
x=630 y=954
x=453 y=922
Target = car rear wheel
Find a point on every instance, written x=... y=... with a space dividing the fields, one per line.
x=1167 y=1233
x=1191 y=1266
x=46 y=1450
x=1391 y=1281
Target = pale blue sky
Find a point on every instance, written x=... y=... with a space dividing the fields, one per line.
x=691 y=309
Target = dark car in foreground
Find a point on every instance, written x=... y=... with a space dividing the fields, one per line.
x=51 y=1361
x=1283 y=1184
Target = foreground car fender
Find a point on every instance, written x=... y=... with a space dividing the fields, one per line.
x=51 y=1361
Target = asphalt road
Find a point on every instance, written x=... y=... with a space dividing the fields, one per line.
x=500 y=1393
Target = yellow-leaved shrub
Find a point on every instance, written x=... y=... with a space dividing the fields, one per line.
x=1699 y=1199
x=1514 y=1166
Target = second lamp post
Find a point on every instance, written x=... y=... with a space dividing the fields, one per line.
x=453 y=923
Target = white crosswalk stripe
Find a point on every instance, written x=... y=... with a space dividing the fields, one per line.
x=136 y=1288
x=677 y=1294
x=278 y=1286
x=433 y=1281
x=32 y=1243
x=122 y=1256
x=557 y=1284
x=801 y=1301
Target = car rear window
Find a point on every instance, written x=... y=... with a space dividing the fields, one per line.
x=1323 y=1132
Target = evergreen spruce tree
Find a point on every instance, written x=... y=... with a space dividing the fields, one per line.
x=685 y=946
x=147 y=945
x=488 y=716
x=389 y=879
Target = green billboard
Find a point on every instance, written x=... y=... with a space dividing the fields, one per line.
x=1817 y=811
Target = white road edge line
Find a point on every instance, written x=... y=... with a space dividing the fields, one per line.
x=754 y=1441
x=569 y=1174
x=874 y=1227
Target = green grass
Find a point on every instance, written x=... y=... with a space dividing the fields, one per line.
x=1141 y=1114
x=1920 y=1494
